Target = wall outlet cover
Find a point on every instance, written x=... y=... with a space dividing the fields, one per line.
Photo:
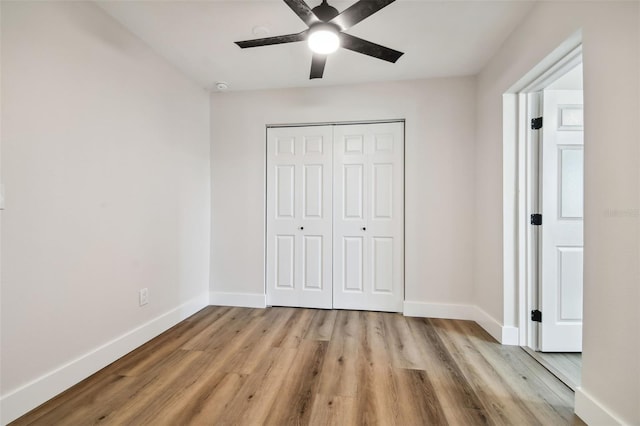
x=143 y=296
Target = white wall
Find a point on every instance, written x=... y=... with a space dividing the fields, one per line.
x=440 y=126
x=106 y=168
x=610 y=31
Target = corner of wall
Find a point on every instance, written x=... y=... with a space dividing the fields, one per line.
x=506 y=335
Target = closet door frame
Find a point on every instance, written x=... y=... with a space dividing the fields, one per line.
x=268 y=178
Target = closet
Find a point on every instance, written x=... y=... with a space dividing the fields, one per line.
x=335 y=216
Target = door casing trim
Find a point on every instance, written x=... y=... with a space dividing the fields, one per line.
x=518 y=177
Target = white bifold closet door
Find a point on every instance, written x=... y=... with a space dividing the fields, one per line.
x=335 y=216
x=368 y=217
x=299 y=209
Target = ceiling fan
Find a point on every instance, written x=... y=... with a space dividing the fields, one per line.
x=326 y=32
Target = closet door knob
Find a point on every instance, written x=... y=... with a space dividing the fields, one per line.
x=364 y=228
x=302 y=228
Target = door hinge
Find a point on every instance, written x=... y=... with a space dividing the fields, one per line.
x=536 y=315
x=536 y=219
x=536 y=123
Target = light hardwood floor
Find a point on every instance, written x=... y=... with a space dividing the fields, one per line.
x=285 y=366
x=565 y=366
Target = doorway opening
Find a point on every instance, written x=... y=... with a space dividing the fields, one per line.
x=548 y=220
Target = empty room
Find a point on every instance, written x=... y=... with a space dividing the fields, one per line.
x=409 y=212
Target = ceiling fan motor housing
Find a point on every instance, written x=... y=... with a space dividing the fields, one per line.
x=325 y=12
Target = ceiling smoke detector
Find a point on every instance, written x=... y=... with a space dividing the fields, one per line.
x=221 y=86
x=260 y=31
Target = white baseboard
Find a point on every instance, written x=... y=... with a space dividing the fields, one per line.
x=244 y=300
x=510 y=336
x=439 y=310
x=27 y=397
x=506 y=335
x=593 y=412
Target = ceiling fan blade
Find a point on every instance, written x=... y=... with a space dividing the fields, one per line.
x=317 y=66
x=368 y=48
x=359 y=11
x=303 y=11
x=289 y=38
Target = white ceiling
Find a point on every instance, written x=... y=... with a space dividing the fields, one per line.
x=439 y=37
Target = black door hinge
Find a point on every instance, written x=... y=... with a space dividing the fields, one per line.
x=536 y=123
x=536 y=219
x=536 y=315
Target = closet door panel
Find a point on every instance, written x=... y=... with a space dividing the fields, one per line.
x=299 y=216
x=369 y=208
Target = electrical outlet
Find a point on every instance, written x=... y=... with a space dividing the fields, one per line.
x=143 y=296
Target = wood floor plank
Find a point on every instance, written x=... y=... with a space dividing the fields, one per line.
x=333 y=410
x=418 y=398
x=526 y=377
x=220 y=332
x=92 y=402
x=405 y=353
x=459 y=401
x=294 y=402
x=376 y=399
x=485 y=380
x=240 y=341
x=339 y=372
x=321 y=326
x=270 y=334
x=255 y=398
x=147 y=357
x=565 y=366
x=151 y=398
x=286 y=366
x=294 y=330
x=203 y=403
x=374 y=344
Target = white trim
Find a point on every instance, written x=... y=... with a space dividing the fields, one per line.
x=518 y=105
x=558 y=69
x=27 y=397
x=536 y=78
x=244 y=300
x=592 y=411
x=336 y=123
x=506 y=335
x=439 y=310
x=528 y=142
x=510 y=336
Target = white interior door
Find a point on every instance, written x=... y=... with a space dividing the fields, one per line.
x=299 y=215
x=562 y=213
x=368 y=220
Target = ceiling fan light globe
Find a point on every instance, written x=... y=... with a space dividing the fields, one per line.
x=324 y=40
